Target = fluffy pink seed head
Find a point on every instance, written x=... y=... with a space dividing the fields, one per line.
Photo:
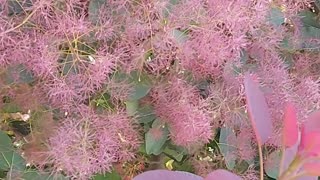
x=87 y=143
x=179 y=104
x=124 y=130
x=72 y=149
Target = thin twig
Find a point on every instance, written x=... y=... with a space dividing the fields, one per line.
x=19 y=25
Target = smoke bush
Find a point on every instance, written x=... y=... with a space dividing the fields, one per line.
x=110 y=68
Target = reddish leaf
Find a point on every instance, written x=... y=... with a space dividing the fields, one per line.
x=290 y=129
x=308 y=178
x=222 y=174
x=167 y=175
x=310 y=143
x=312 y=168
x=258 y=110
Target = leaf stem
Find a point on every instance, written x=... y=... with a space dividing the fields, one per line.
x=260 y=160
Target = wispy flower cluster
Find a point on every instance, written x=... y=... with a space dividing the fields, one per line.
x=180 y=105
x=87 y=143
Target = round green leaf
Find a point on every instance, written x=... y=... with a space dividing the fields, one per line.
x=10 y=160
x=241 y=167
x=93 y=10
x=140 y=82
x=276 y=17
x=172 y=153
x=112 y=176
x=310 y=32
x=272 y=164
x=36 y=175
x=5 y=142
x=145 y=114
x=180 y=36
x=140 y=90
x=225 y=144
x=131 y=107
x=309 y=18
x=18 y=74
x=156 y=138
x=17 y=6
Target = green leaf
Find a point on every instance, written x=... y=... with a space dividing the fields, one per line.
x=180 y=36
x=140 y=90
x=272 y=164
x=141 y=83
x=308 y=33
x=225 y=144
x=36 y=175
x=93 y=10
x=276 y=17
x=5 y=142
x=145 y=114
x=120 y=77
x=2 y=174
x=10 y=160
x=10 y=108
x=168 y=8
x=104 y=101
x=25 y=76
x=185 y=166
x=244 y=57
x=142 y=148
x=131 y=107
x=174 y=154
x=241 y=167
x=18 y=6
x=18 y=74
x=107 y=176
x=156 y=137
x=309 y=18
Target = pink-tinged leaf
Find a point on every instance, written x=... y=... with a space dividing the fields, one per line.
x=258 y=110
x=222 y=174
x=289 y=155
x=312 y=168
x=290 y=129
x=167 y=175
x=308 y=178
x=310 y=143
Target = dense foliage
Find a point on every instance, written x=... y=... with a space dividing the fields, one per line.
x=109 y=89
